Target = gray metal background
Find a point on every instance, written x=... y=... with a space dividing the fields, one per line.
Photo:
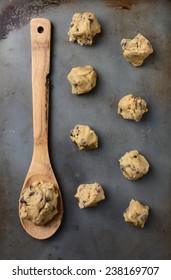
x=99 y=232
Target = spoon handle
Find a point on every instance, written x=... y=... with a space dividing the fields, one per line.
x=40 y=29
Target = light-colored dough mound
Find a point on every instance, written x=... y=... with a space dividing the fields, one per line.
x=136 y=50
x=83 y=28
x=133 y=165
x=84 y=137
x=89 y=195
x=131 y=107
x=136 y=213
x=39 y=202
x=82 y=79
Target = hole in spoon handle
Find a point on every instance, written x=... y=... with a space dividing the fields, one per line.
x=40 y=29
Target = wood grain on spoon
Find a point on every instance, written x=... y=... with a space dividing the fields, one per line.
x=40 y=168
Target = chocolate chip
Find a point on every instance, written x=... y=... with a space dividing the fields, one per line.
x=91 y=20
x=71 y=133
x=47 y=198
x=75 y=84
x=53 y=208
x=22 y=200
x=123 y=44
x=31 y=193
x=41 y=198
x=71 y=25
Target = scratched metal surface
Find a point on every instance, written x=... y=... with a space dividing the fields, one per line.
x=99 y=232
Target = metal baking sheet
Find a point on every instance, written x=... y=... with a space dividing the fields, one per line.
x=99 y=232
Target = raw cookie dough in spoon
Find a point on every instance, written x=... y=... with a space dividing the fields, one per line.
x=39 y=203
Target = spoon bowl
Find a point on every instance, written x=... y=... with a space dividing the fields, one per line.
x=40 y=167
x=46 y=231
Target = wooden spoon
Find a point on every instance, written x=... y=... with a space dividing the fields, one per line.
x=40 y=167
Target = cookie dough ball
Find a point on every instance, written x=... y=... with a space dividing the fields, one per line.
x=136 y=50
x=84 y=137
x=131 y=107
x=89 y=195
x=133 y=165
x=39 y=202
x=83 y=28
x=136 y=213
x=82 y=79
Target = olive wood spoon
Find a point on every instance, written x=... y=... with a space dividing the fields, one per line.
x=40 y=167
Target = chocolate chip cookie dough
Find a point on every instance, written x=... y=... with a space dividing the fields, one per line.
x=136 y=213
x=39 y=202
x=131 y=107
x=136 y=50
x=84 y=137
x=89 y=195
x=133 y=165
x=83 y=28
x=82 y=79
